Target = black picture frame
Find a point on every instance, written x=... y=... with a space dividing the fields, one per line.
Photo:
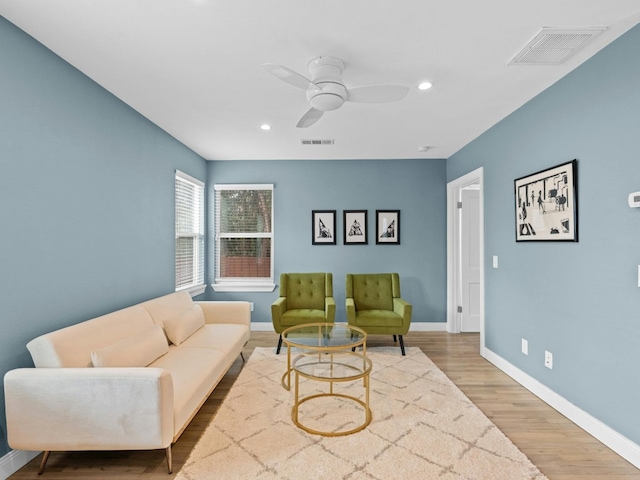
x=323 y=227
x=546 y=205
x=388 y=227
x=355 y=227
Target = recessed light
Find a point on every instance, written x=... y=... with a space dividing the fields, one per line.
x=424 y=148
x=425 y=86
x=265 y=126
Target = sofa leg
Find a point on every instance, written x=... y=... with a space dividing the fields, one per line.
x=394 y=339
x=279 y=345
x=43 y=463
x=401 y=344
x=169 y=459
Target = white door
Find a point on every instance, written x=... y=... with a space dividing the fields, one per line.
x=470 y=260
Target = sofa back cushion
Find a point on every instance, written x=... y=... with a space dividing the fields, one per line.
x=182 y=326
x=306 y=290
x=72 y=346
x=138 y=350
x=168 y=306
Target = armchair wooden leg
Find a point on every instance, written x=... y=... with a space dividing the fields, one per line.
x=401 y=344
x=279 y=345
x=394 y=339
x=169 y=459
x=43 y=463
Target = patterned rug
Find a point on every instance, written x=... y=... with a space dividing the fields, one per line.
x=423 y=427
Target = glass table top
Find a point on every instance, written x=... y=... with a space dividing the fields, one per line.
x=324 y=336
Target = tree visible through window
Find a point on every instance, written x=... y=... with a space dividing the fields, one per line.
x=244 y=234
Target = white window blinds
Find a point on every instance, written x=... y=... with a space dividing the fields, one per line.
x=189 y=232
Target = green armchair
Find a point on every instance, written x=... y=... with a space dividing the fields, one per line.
x=374 y=305
x=304 y=298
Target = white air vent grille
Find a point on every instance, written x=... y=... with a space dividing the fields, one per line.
x=553 y=46
x=317 y=142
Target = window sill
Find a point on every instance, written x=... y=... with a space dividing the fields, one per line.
x=194 y=290
x=243 y=287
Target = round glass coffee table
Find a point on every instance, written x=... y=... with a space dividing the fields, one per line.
x=321 y=338
x=331 y=367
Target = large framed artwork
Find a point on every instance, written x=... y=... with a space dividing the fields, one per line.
x=546 y=205
x=355 y=227
x=323 y=227
x=388 y=227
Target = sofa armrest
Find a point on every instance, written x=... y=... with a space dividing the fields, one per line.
x=226 y=312
x=89 y=408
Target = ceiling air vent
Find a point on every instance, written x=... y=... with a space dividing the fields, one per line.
x=317 y=142
x=553 y=46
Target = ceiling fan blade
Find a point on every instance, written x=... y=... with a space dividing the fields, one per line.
x=309 y=118
x=287 y=75
x=377 y=93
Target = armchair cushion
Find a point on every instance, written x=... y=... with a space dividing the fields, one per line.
x=373 y=292
x=304 y=298
x=305 y=290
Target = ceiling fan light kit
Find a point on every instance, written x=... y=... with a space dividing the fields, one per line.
x=326 y=91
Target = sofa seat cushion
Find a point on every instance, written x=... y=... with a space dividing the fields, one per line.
x=302 y=315
x=378 y=318
x=183 y=325
x=138 y=350
x=194 y=372
x=227 y=338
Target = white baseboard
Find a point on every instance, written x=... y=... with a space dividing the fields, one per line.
x=14 y=461
x=415 y=327
x=428 y=327
x=617 y=442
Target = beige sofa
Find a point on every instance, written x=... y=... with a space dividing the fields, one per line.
x=158 y=363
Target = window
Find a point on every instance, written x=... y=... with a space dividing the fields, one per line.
x=189 y=234
x=244 y=238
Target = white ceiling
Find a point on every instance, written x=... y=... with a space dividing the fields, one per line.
x=193 y=67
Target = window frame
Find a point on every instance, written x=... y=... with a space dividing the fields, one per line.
x=243 y=284
x=198 y=284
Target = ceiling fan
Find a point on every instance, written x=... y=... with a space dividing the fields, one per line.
x=326 y=91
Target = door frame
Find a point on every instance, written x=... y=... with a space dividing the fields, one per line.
x=453 y=246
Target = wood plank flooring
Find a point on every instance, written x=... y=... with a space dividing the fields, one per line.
x=560 y=449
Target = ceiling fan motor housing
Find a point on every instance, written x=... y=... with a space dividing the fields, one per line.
x=326 y=72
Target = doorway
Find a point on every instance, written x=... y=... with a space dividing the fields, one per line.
x=465 y=255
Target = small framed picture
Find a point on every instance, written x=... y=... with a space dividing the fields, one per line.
x=546 y=205
x=355 y=227
x=323 y=227
x=388 y=227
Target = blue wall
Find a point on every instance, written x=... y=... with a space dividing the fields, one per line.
x=580 y=301
x=416 y=188
x=86 y=200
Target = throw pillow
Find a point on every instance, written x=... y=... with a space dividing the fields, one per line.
x=136 y=351
x=179 y=328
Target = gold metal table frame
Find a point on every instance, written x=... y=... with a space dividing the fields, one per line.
x=321 y=337
x=341 y=366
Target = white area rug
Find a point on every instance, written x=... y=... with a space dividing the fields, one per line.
x=423 y=427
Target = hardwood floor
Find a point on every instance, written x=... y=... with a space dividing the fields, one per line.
x=553 y=443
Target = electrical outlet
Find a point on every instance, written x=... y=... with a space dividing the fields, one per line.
x=525 y=347
x=251 y=306
x=548 y=359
